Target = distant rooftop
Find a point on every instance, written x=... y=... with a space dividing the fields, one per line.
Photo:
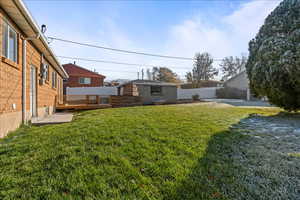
x=149 y=82
x=75 y=70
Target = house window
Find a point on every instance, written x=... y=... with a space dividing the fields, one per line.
x=84 y=80
x=9 y=42
x=156 y=90
x=54 y=79
x=47 y=72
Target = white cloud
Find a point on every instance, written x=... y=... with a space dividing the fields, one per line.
x=107 y=34
x=230 y=36
x=245 y=22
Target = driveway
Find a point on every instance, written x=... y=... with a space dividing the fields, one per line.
x=240 y=102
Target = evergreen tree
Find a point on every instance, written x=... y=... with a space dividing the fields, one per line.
x=273 y=66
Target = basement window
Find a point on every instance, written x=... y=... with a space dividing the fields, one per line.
x=156 y=90
x=10 y=46
x=83 y=80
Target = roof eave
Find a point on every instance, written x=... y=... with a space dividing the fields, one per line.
x=232 y=78
x=25 y=12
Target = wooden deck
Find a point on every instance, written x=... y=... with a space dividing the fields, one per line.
x=89 y=102
x=82 y=106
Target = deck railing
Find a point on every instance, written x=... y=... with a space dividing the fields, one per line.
x=86 y=99
x=84 y=102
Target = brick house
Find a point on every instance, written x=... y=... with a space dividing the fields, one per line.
x=81 y=77
x=31 y=78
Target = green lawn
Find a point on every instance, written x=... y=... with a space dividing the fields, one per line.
x=152 y=152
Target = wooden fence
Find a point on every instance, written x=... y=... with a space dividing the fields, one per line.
x=120 y=101
x=81 y=102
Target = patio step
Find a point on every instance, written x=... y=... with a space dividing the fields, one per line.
x=57 y=118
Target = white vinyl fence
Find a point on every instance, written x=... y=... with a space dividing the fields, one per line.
x=101 y=91
x=204 y=93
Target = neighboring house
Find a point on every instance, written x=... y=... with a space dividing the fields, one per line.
x=81 y=77
x=31 y=78
x=118 y=82
x=202 y=84
x=239 y=82
x=150 y=91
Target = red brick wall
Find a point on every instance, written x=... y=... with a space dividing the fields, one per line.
x=73 y=81
x=46 y=94
x=11 y=77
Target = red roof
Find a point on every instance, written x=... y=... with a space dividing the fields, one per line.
x=75 y=70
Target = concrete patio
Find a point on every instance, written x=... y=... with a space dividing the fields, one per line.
x=57 y=118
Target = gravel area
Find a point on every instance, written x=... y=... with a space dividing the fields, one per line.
x=268 y=160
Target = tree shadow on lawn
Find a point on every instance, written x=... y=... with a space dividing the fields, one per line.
x=238 y=165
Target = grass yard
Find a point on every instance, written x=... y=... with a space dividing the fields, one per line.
x=152 y=152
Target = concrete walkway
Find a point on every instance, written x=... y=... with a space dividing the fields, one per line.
x=56 y=118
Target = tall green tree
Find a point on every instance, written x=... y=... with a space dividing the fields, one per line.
x=273 y=66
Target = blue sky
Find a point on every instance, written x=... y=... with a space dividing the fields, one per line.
x=179 y=28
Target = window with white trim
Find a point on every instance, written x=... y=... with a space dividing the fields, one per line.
x=47 y=72
x=156 y=90
x=54 y=79
x=83 y=80
x=9 y=42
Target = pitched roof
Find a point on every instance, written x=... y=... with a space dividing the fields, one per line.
x=18 y=12
x=75 y=70
x=236 y=76
x=149 y=82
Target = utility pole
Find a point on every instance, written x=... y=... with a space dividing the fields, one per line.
x=142 y=74
x=138 y=75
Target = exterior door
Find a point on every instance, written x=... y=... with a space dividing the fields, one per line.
x=33 y=91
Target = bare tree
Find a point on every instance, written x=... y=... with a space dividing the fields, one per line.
x=164 y=74
x=231 y=66
x=189 y=77
x=155 y=71
x=149 y=74
x=203 y=68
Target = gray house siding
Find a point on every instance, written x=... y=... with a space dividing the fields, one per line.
x=150 y=91
x=168 y=95
x=240 y=82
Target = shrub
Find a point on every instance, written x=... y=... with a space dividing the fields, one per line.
x=273 y=67
x=196 y=97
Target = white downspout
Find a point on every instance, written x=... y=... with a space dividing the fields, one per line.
x=24 y=44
